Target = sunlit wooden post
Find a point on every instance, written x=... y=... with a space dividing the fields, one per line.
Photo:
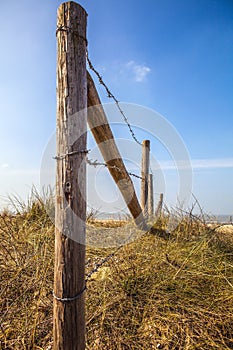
x=145 y=175
x=70 y=217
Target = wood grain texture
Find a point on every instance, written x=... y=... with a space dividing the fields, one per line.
x=102 y=133
x=69 y=269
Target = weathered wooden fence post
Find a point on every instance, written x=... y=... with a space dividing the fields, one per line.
x=145 y=175
x=69 y=269
x=158 y=210
x=150 y=196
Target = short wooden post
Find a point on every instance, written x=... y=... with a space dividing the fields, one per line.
x=104 y=138
x=69 y=269
x=158 y=210
x=150 y=196
x=145 y=175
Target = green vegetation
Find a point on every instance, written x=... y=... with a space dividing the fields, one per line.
x=159 y=292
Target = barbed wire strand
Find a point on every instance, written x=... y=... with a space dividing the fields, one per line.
x=63 y=28
x=96 y=268
x=98 y=265
x=96 y=163
x=110 y=95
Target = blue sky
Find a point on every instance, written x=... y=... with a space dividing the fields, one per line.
x=174 y=57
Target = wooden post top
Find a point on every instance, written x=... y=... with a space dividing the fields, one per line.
x=71 y=3
x=146 y=143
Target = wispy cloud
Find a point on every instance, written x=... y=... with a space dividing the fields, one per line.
x=212 y=163
x=198 y=164
x=139 y=71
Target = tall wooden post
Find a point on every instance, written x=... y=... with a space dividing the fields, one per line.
x=104 y=138
x=145 y=175
x=150 y=196
x=69 y=269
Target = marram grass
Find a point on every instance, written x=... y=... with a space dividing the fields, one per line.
x=162 y=291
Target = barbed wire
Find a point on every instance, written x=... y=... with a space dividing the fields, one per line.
x=101 y=81
x=96 y=163
x=110 y=95
x=63 y=28
x=98 y=265
x=95 y=269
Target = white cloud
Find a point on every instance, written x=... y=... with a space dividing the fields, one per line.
x=140 y=71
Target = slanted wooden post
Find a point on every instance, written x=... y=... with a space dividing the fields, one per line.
x=158 y=210
x=145 y=175
x=104 y=138
x=69 y=269
x=150 y=196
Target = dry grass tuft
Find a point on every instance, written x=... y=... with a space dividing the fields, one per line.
x=26 y=260
x=162 y=291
